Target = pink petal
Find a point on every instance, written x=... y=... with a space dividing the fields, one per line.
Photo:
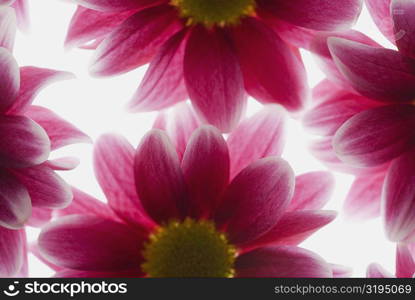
x=116 y=5
x=40 y=216
x=272 y=72
x=22 y=14
x=405 y=262
x=7 y=28
x=206 y=170
x=403 y=12
x=63 y=163
x=134 y=42
x=61 y=133
x=34 y=249
x=91 y=244
x=362 y=64
x=32 y=81
x=24 y=142
x=10 y=80
x=257 y=137
x=282 y=262
x=256 y=199
x=163 y=84
x=46 y=188
x=293 y=228
x=340 y=271
x=67 y=273
x=377 y=271
x=114 y=170
x=15 y=206
x=399 y=199
x=87 y=25
x=159 y=179
x=11 y=251
x=315 y=14
x=312 y=191
x=376 y=136
x=213 y=78
x=380 y=11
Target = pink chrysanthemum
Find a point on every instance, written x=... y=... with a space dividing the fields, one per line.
x=218 y=209
x=366 y=115
x=214 y=52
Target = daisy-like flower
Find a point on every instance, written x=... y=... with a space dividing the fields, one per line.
x=405 y=264
x=216 y=210
x=29 y=186
x=368 y=118
x=215 y=52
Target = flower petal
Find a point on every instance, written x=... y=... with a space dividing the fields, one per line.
x=377 y=271
x=312 y=191
x=22 y=14
x=91 y=244
x=376 y=136
x=380 y=11
x=405 y=262
x=256 y=199
x=316 y=14
x=206 y=170
x=257 y=137
x=63 y=163
x=67 y=273
x=158 y=177
x=282 y=262
x=15 y=205
x=362 y=64
x=403 y=12
x=399 y=199
x=24 y=142
x=272 y=72
x=39 y=217
x=116 y=5
x=9 y=78
x=163 y=84
x=213 y=78
x=7 y=28
x=340 y=271
x=134 y=42
x=11 y=251
x=114 y=170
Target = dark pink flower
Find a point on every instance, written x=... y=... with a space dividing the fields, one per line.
x=366 y=115
x=214 y=52
x=29 y=186
x=193 y=205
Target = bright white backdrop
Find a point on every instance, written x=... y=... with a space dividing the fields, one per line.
x=97 y=106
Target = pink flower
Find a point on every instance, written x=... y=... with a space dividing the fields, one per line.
x=213 y=53
x=368 y=118
x=29 y=186
x=405 y=264
x=217 y=209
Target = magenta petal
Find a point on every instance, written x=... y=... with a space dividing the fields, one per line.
x=135 y=41
x=163 y=84
x=206 y=170
x=67 y=273
x=63 y=163
x=340 y=271
x=24 y=142
x=380 y=11
x=404 y=25
x=7 y=28
x=273 y=73
x=282 y=262
x=405 y=262
x=22 y=14
x=214 y=78
x=376 y=136
x=114 y=170
x=257 y=137
x=362 y=64
x=256 y=199
x=324 y=15
x=32 y=80
x=39 y=217
x=159 y=179
x=377 y=271
x=46 y=188
x=293 y=228
x=312 y=191
x=61 y=133
x=399 y=199
x=15 y=205
x=116 y=5
x=9 y=78
x=91 y=244
x=11 y=251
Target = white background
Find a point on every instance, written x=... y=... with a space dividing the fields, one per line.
x=97 y=106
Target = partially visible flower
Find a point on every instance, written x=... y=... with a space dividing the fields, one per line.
x=215 y=52
x=29 y=186
x=217 y=209
x=405 y=264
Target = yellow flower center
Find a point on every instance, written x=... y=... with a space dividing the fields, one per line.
x=188 y=249
x=214 y=12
